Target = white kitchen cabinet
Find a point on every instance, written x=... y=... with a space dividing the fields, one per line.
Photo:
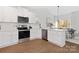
x=25 y=12
x=20 y=11
x=6 y=26
x=56 y=37
x=8 y=38
x=1 y=14
x=35 y=34
x=8 y=34
x=9 y=14
x=32 y=16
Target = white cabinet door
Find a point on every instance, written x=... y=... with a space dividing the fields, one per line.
x=8 y=27
x=7 y=39
x=20 y=11
x=1 y=14
x=35 y=34
x=25 y=12
x=8 y=34
x=57 y=37
x=14 y=36
x=9 y=14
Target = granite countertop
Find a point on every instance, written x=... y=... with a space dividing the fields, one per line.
x=57 y=29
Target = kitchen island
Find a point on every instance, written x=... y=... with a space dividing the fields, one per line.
x=57 y=36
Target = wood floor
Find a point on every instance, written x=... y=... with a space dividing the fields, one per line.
x=39 y=46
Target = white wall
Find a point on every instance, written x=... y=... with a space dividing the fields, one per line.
x=73 y=17
x=9 y=14
x=44 y=17
x=53 y=9
x=43 y=12
x=67 y=9
x=39 y=15
x=75 y=20
x=26 y=13
x=66 y=17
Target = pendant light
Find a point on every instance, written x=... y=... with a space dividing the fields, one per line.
x=57 y=13
x=57 y=20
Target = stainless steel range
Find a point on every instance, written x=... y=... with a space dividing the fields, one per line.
x=23 y=30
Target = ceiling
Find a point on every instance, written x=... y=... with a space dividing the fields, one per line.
x=52 y=10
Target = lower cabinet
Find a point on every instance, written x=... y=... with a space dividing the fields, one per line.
x=8 y=34
x=8 y=38
x=57 y=37
x=35 y=34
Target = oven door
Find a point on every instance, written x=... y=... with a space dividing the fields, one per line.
x=24 y=34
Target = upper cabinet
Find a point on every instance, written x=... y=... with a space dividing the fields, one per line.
x=20 y=11
x=30 y=14
x=1 y=14
x=9 y=14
